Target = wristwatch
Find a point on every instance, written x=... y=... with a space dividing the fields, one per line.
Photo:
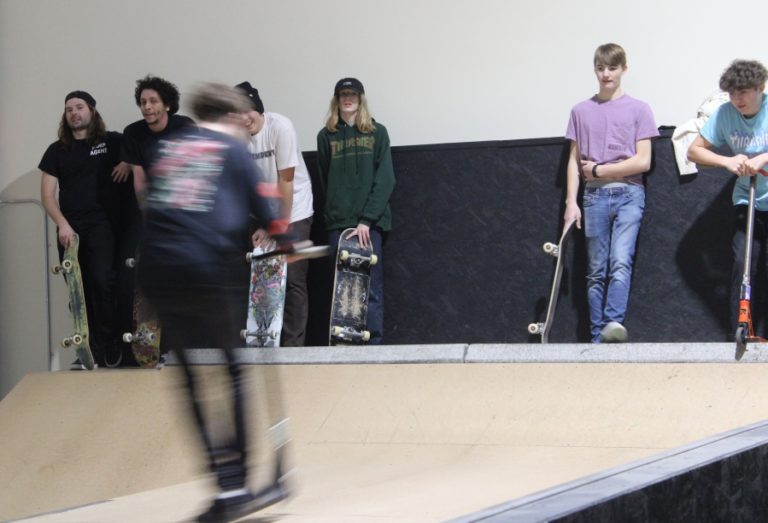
x=594 y=171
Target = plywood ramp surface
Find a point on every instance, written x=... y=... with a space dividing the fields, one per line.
x=389 y=443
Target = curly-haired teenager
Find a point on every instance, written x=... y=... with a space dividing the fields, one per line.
x=741 y=126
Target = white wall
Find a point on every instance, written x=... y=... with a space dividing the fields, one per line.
x=436 y=71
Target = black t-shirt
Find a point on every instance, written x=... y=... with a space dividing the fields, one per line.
x=139 y=140
x=202 y=188
x=86 y=190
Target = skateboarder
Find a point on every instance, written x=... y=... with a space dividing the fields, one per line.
x=84 y=165
x=742 y=127
x=610 y=150
x=355 y=164
x=202 y=186
x=275 y=150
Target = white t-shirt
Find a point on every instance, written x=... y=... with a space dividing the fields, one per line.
x=274 y=148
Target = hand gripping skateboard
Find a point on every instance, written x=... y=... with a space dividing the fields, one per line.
x=145 y=338
x=80 y=339
x=558 y=251
x=745 y=332
x=266 y=299
x=351 y=287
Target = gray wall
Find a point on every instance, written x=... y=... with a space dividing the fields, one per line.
x=436 y=71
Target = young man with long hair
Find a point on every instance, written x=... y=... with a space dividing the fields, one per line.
x=355 y=164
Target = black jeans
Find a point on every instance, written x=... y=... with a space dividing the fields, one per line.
x=210 y=317
x=96 y=257
x=296 y=300
x=758 y=273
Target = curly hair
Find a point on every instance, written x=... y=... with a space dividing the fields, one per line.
x=743 y=74
x=168 y=92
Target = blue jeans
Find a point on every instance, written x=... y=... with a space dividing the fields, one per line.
x=376 y=293
x=612 y=219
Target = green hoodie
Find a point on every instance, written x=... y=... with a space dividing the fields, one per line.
x=356 y=169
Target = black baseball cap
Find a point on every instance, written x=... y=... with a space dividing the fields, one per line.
x=348 y=83
x=252 y=93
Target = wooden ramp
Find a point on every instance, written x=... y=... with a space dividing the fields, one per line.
x=390 y=443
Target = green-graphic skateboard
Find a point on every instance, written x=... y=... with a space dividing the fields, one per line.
x=80 y=339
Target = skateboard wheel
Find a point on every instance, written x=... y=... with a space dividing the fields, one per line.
x=248 y=256
x=77 y=339
x=66 y=342
x=56 y=269
x=374 y=259
x=127 y=337
x=66 y=265
x=344 y=256
x=534 y=328
x=366 y=335
x=130 y=263
x=741 y=338
x=243 y=333
x=336 y=331
x=550 y=248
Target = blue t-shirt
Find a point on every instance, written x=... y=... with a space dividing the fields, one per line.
x=748 y=136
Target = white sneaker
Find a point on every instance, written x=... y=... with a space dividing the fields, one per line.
x=613 y=332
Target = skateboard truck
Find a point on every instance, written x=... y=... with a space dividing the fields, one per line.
x=357 y=261
x=348 y=334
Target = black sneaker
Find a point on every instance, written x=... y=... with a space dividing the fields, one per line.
x=230 y=506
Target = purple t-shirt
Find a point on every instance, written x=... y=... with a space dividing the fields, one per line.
x=607 y=132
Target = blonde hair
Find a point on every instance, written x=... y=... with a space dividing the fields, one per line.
x=363 y=119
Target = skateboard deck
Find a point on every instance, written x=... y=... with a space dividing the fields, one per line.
x=351 y=288
x=558 y=251
x=70 y=269
x=266 y=298
x=145 y=338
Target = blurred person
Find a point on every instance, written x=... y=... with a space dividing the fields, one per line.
x=202 y=187
x=355 y=164
x=84 y=166
x=274 y=148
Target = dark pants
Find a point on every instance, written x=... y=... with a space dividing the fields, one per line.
x=296 y=303
x=215 y=315
x=96 y=257
x=376 y=295
x=758 y=271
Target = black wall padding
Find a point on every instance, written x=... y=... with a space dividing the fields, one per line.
x=464 y=262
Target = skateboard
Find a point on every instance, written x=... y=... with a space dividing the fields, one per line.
x=266 y=298
x=351 y=287
x=558 y=251
x=145 y=338
x=745 y=332
x=70 y=269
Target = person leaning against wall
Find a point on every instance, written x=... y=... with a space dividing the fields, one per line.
x=742 y=127
x=355 y=165
x=274 y=148
x=610 y=149
x=83 y=164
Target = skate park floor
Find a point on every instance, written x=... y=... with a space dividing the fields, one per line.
x=392 y=434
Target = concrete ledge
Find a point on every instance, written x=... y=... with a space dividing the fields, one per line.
x=713 y=479
x=490 y=353
x=334 y=355
x=615 y=353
